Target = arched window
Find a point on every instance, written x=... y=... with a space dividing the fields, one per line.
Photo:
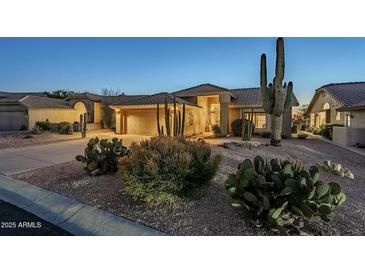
x=326 y=106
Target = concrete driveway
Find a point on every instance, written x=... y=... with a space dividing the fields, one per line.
x=16 y=160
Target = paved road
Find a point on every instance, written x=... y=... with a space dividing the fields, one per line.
x=18 y=222
x=16 y=160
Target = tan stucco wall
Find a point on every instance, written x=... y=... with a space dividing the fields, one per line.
x=323 y=98
x=144 y=121
x=348 y=136
x=55 y=115
x=358 y=119
x=97 y=112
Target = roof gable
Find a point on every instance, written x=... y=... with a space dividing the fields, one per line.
x=346 y=93
x=158 y=98
x=31 y=101
x=203 y=89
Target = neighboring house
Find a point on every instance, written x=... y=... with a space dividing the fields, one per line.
x=328 y=102
x=206 y=105
x=344 y=104
x=25 y=109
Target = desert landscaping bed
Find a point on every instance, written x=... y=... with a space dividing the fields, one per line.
x=22 y=138
x=212 y=214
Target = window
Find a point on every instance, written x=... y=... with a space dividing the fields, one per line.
x=338 y=116
x=259 y=119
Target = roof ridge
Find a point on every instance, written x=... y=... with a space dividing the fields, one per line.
x=342 y=83
x=232 y=89
x=219 y=87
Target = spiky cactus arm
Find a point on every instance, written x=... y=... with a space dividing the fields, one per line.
x=85 y=124
x=167 y=118
x=175 y=117
x=179 y=124
x=158 y=120
x=266 y=92
x=81 y=125
x=183 y=121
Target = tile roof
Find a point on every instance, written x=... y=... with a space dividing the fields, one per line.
x=252 y=97
x=31 y=101
x=346 y=93
x=117 y=99
x=358 y=105
x=158 y=98
x=203 y=89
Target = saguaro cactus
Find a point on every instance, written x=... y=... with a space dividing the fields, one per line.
x=159 y=129
x=167 y=118
x=178 y=120
x=85 y=125
x=276 y=97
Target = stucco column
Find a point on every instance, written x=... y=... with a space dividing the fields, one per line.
x=118 y=122
x=224 y=100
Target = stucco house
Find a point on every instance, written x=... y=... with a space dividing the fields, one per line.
x=206 y=105
x=329 y=102
x=343 y=104
x=25 y=109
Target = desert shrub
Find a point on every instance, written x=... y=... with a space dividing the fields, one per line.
x=217 y=131
x=65 y=128
x=282 y=194
x=36 y=130
x=44 y=125
x=23 y=128
x=326 y=130
x=316 y=131
x=101 y=156
x=236 y=126
x=302 y=136
x=161 y=169
x=265 y=134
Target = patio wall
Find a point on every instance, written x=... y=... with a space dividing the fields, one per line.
x=348 y=136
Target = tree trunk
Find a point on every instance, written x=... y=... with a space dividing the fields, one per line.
x=276 y=128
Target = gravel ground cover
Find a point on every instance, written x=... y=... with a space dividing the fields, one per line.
x=212 y=214
x=21 y=138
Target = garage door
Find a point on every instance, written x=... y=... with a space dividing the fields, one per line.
x=142 y=122
x=10 y=121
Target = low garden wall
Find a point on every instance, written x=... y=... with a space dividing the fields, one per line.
x=348 y=136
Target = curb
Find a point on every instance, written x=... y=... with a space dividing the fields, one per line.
x=77 y=218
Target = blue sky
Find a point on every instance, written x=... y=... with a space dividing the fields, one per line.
x=147 y=65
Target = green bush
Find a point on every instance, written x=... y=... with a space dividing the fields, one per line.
x=36 y=130
x=65 y=128
x=44 y=125
x=301 y=135
x=161 y=169
x=236 y=126
x=23 y=127
x=282 y=194
x=101 y=156
x=326 y=130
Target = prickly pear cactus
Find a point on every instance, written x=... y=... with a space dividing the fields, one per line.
x=101 y=156
x=282 y=194
x=276 y=97
x=337 y=169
